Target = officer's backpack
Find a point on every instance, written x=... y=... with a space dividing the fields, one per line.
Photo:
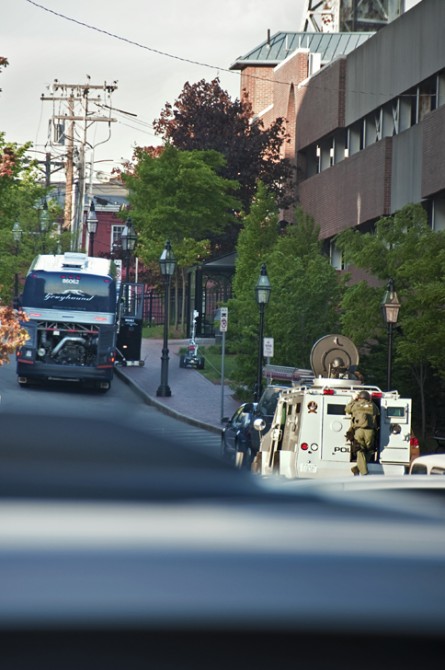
x=363 y=418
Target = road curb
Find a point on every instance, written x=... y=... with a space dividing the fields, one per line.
x=149 y=400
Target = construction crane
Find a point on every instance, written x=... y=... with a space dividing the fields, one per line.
x=333 y=16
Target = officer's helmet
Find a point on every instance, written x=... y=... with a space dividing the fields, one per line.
x=338 y=363
x=364 y=395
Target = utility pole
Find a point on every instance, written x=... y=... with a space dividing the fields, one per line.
x=48 y=164
x=68 y=215
x=71 y=104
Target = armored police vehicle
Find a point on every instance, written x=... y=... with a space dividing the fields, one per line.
x=310 y=432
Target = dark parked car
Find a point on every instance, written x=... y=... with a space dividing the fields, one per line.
x=240 y=441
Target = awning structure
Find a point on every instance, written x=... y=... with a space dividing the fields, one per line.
x=210 y=285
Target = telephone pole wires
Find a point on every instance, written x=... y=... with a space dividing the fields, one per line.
x=72 y=118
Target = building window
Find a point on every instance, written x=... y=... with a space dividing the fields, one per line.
x=395 y=116
x=427 y=97
x=336 y=256
x=116 y=234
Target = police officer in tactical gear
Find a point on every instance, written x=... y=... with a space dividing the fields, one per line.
x=338 y=369
x=364 y=415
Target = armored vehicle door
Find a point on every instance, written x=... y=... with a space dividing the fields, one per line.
x=395 y=430
x=335 y=424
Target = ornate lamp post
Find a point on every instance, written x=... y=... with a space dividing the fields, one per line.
x=262 y=294
x=128 y=239
x=92 y=227
x=390 y=309
x=167 y=264
x=17 y=233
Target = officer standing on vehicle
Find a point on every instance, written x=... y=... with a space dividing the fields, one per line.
x=339 y=370
x=364 y=415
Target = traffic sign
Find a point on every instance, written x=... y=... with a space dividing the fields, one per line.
x=268 y=347
x=223 y=322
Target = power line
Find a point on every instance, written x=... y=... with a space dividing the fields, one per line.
x=218 y=68
x=127 y=40
x=139 y=130
x=199 y=63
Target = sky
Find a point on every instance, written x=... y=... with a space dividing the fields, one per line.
x=151 y=48
x=41 y=47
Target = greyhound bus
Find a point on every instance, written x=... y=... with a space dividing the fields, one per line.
x=71 y=304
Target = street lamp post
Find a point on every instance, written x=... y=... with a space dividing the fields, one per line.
x=128 y=240
x=17 y=233
x=167 y=264
x=390 y=309
x=92 y=227
x=262 y=294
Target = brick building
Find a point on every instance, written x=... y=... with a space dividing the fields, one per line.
x=366 y=116
x=109 y=198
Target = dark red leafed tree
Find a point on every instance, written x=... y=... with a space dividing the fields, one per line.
x=205 y=117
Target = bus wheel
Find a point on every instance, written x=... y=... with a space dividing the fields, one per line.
x=103 y=387
x=23 y=381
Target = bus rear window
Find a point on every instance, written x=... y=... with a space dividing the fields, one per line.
x=69 y=290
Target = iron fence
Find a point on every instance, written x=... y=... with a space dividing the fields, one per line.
x=153 y=309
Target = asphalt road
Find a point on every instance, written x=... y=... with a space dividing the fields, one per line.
x=119 y=405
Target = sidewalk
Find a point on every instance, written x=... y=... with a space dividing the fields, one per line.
x=194 y=398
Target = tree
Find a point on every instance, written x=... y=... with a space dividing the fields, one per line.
x=307 y=292
x=179 y=195
x=402 y=247
x=257 y=237
x=305 y=288
x=12 y=333
x=3 y=63
x=20 y=196
x=204 y=117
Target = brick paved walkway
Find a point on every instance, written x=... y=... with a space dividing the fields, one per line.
x=194 y=398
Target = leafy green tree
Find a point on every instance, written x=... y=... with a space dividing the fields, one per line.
x=307 y=292
x=205 y=117
x=19 y=192
x=305 y=289
x=402 y=247
x=256 y=240
x=21 y=196
x=179 y=195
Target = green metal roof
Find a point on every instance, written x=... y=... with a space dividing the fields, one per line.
x=275 y=50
